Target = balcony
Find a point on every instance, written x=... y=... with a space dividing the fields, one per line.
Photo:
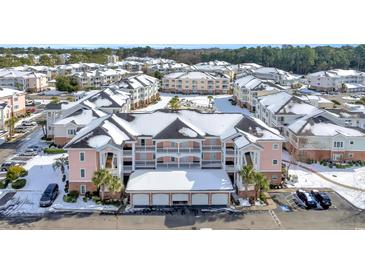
x=230 y=151
x=167 y=165
x=211 y=163
x=127 y=168
x=167 y=150
x=212 y=147
x=145 y=148
x=189 y=150
x=127 y=152
x=189 y=165
x=230 y=168
x=145 y=163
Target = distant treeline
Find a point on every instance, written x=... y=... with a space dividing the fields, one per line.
x=295 y=59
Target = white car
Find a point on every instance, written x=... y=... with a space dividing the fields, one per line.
x=29 y=124
x=29 y=152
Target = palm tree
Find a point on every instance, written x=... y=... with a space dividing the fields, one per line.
x=247 y=174
x=102 y=179
x=174 y=103
x=60 y=163
x=116 y=185
x=261 y=182
x=210 y=98
x=43 y=124
x=10 y=123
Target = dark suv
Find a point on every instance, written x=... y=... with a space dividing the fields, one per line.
x=306 y=198
x=49 y=195
x=322 y=198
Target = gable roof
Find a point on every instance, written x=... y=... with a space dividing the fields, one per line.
x=178 y=130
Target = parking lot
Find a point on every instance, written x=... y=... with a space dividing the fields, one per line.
x=341 y=215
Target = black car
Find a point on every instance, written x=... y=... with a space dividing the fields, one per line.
x=322 y=198
x=306 y=198
x=49 y=195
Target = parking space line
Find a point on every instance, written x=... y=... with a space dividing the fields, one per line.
x=276 y=219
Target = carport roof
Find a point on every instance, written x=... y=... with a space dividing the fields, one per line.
x=179 y=180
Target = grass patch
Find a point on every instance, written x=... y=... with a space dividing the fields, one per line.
x=54 y=150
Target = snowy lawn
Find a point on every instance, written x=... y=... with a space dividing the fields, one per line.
x=40 y=174
x=221 y=103
x=307 y=179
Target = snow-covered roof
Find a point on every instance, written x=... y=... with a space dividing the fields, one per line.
x=6 y=92
x=285 y=103
x=81 y=117
x=179 y=180
x=136 y=81
x=195 y=75
x=337 y=73
x=189 y=124
x=316 y=124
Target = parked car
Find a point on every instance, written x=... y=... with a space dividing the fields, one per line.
x=49 y=195
x=5 y=166
x=21 y=129
x=28 y=124
x=29 y=152
x=29 y=103
x=35 y=148
x=306 y=198
x=322 y=198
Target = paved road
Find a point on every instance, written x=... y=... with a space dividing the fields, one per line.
x=341 y=215
x=9 y=149
x=258 y=220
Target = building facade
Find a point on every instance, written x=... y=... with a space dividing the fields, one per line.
x=175 y=157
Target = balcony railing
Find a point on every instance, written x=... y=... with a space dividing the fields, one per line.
x=189 y=165
x=230 y=168
x=127 y=167
x=145 y=163
x=194 y=150
x=212 y=147
x=127 y=152
x=211 y=163
x=167 y=150
x=167 y=165
x=229 y=151
x=145 y=148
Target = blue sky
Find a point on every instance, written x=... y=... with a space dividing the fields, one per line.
x=185 y=46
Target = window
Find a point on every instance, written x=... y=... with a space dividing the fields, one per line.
x=275 y=146
x=338 y=144
x=274 y=177
x=82 y=156
x=82 y=189
x=274 y=162
x=351 y=142
x=143 y=142
x=213 y=156
x=71 y=132
x=351 y=155
x=82 y=173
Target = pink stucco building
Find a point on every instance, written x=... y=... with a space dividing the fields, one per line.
x=175 y=157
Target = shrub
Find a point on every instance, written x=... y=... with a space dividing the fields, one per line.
x=88 y=194
x=74 y=193
x=96 y=199
x=85 y=199
x=63 y=178
x=69 y=199
x=14 y=172
x=3 y=184
x=20 y=183
x=54 y=150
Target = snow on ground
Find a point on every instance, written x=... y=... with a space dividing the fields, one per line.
x=40 y=174
x=351 y=177
x=221 y=103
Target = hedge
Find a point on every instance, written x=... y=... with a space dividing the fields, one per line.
x=20 y=183
x=3 y=184
x=54 y=150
